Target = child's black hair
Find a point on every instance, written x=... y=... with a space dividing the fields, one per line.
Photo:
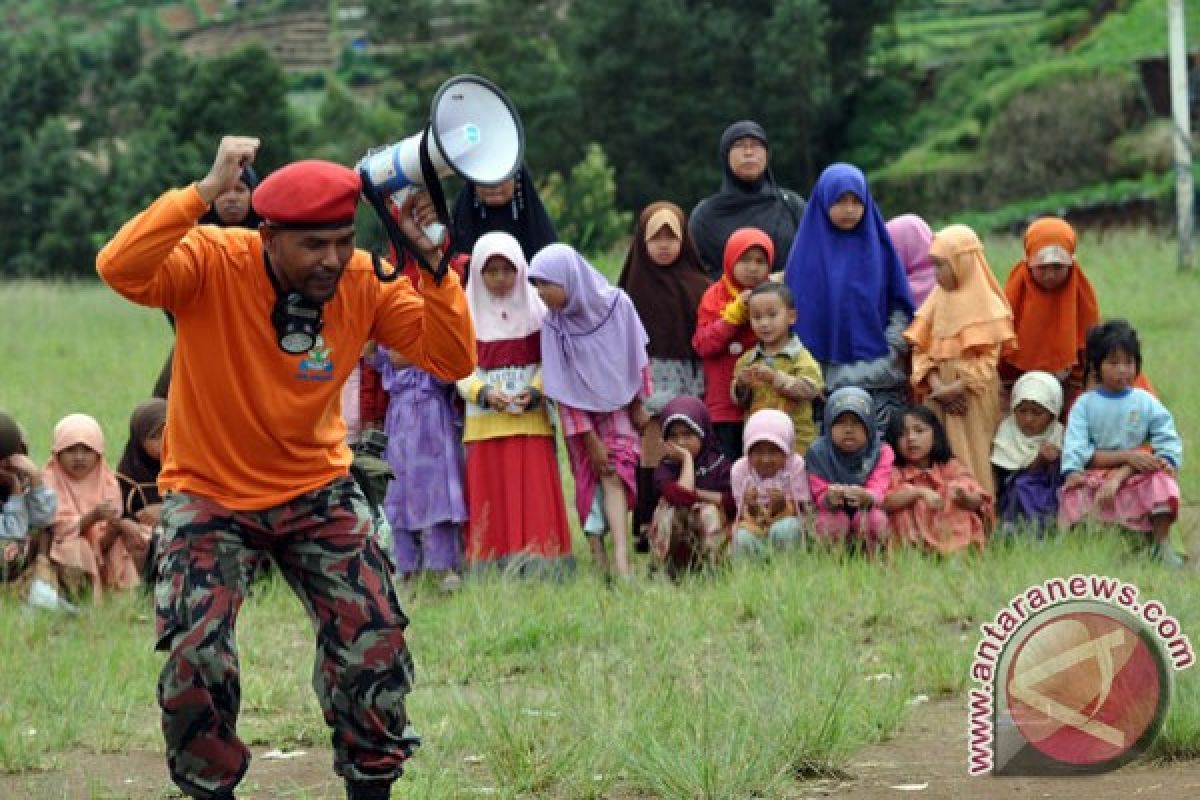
x=775 y=288
x=939 y=453
x=1107 y=338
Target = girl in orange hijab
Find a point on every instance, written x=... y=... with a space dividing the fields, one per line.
x=958 y=336
x=91 y=542
x=1053 y=307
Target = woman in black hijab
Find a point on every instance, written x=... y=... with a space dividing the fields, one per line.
x=230 y=209
x=512 y=207
x=749 y=198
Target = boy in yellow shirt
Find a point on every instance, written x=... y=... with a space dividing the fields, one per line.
x=778 y=372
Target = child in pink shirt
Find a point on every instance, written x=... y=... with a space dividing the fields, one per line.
x=849 y=470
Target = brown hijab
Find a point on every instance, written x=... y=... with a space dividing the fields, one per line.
x=666 y=298
x=137 y=471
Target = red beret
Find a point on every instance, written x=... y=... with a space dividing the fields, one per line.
x=308 y=194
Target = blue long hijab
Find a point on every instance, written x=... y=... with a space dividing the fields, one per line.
x=846 y=283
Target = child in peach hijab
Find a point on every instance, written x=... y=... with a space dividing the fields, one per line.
x=958 y=336
x=92 y=544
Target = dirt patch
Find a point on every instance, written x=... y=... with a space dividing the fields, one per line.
x=142 y=775
x=928 y=761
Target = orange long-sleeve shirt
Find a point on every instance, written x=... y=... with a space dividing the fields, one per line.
x=249 y=425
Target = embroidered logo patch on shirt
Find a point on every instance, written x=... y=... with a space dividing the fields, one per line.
x=317 y=365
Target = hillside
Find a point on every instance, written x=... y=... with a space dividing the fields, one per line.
x=1008 y=107
x=1032 y=107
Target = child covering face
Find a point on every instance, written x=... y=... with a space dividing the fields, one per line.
x=26 y=503
x=770 y=486
x=849 y=471
x=933 y=501
x=689 y=530
x=1026 y=452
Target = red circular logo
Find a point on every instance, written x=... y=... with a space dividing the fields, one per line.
x=1086 y=688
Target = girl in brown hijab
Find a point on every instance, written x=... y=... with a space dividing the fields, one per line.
x=665 y=278
x=137 y=472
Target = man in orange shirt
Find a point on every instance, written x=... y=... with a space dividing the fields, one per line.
x=269 y=324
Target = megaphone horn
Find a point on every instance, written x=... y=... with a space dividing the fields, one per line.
x=474 y=132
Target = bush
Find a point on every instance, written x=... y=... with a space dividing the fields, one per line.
x=1056 y=137
x=583 y=205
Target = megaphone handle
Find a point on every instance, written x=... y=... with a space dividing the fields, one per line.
x=436 y=233
x=433 y=184
x=399 y=239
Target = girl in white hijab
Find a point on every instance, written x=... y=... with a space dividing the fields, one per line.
x=1026 y=452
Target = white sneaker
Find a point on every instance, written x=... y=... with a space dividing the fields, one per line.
x=44 y=596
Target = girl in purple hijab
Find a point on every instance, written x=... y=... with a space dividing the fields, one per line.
x=852 y=298
x=912 y=236
x=594 y=365
x=691 y=524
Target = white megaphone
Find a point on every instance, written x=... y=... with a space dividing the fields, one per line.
x=474 y=132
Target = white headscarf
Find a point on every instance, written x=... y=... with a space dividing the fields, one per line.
x=499 y=318
x=1012 y=449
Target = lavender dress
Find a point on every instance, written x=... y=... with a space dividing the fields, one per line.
x=424 y=504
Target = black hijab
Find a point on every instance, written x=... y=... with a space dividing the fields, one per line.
x=12 y=441
x=524 y=217
x=162 y=386
x=251 y=220
x=137 y=472
x=762 y=204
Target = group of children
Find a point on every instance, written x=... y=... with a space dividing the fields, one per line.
x=75 y=528
x=854 y=400
x=731 y=425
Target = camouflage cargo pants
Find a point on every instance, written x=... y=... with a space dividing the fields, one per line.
x=363 y=669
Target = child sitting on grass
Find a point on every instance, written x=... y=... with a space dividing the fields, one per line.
x=849 y=470
x=26 y=503
x=933 y=502
x=93 y=545
x=1109 y=475
x=778 y=372
x=1026 y=452
x=690 y=529
x=770 y=487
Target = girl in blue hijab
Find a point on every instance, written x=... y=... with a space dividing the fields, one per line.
x=852 y=297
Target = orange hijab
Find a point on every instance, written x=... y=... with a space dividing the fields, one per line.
x=1051 y=326
x=723 y=291
x=974 y=313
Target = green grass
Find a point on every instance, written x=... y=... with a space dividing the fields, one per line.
x=735 y=685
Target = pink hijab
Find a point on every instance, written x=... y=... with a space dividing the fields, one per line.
x=501 y=318
x=911 y=237
x=73 y=547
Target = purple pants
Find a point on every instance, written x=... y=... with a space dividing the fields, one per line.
x=437 y=548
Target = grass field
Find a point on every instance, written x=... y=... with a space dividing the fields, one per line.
x=743 y=684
